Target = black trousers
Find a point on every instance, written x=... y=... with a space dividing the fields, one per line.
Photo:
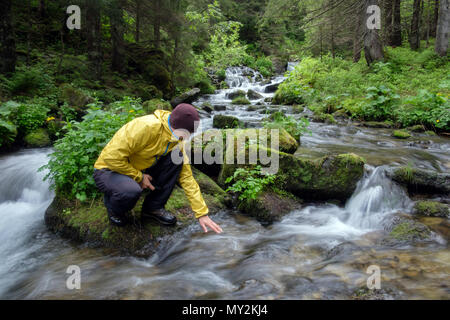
x=121 y=192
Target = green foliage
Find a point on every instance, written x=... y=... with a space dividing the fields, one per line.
x=8 y=132
x=408 y=88
x=248 y=183
x=29 y=117
x=296 y=128
x=71 y=165
x=380 y=103
x=26 y=81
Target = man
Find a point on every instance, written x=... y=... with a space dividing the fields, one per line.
x=139 y=157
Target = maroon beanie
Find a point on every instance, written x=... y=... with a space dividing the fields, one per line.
x=183 y=117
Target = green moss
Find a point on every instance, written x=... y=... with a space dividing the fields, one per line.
x=73 y=96
x=417 y=128
x=431 y=209
x=410 y=230
x=225 y=122
x=240 y=101
x=401 y=134
x=177 y=200
x=297 y=109
x=38 y=138
x=430 y=133
x=324 y=117
x=152 y=105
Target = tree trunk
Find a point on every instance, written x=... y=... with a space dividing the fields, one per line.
x=388 y=6
x=94 y=37
x=435 y=19
x=138 y=20
x=117 y=31
x=443 y=28
x=357 y=35
x=414 y=37
x=373 y=47
x=7 y=39
x=396 y=35
x=157 y=23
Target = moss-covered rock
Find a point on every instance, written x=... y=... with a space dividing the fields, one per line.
x=253 y=95
x=421 y=181
x=431 y=209
x=226 y=122
x=417 y=128
x=186 y=97
x=38 y=138
x=74 y=97
x=240 y=101
x=88 y=222
x=404 y=230
x=236 y=94
x=269 y=206
x=152 y=105
x=401 y=134
x=323 y=117
x=378 y=124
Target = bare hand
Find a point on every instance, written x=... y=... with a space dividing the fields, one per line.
x=206 y=221
x=145 y=183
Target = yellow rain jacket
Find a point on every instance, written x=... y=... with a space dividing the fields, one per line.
x=137 y=145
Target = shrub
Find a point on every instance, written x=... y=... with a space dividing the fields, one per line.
x=8 y=132
x=29 y=117
x=27 y=81
x=248 y=183
x=71 y=165
x=295 y=128
x=379 y=105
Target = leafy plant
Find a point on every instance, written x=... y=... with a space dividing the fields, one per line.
x=380 y=102
x=248 y=183
x=296 y=128
x=71 y=165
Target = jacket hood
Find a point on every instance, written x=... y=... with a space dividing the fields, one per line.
x=163 y=116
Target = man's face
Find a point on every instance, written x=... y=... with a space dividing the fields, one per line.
x=182 y=134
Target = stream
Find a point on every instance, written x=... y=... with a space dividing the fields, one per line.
x=321 y=251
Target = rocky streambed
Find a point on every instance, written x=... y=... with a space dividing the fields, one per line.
x=350 y=196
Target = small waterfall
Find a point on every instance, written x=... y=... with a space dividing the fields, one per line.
x=242 y=77
x=24 y=197
x=374 y=198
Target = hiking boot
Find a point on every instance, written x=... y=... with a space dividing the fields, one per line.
x=117 y=220
x=162 y=216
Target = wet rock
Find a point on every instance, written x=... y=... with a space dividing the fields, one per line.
x=187 y=97
x=401 y=134
x=365 y=293
x=431 y=209
x=219 y=108
x=345 y=248
x=37 y=139
x=404 y=230
x=268 y=99
x=421 y=181
x=225 y=122
x=87 y=222
x=271 y=88
x=207 y=107
x=235 y=94
x=417 y=128
x=268 y=206
x=279 y=65
x=240 y=101
x=253 y=95
x=377 y=124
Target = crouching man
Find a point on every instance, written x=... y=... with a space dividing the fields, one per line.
x=139 y=157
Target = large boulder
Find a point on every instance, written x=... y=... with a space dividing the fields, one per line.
x=421 y=181
x=329 y=177
x=403 y=230
x=187 y=97
x=87 y=222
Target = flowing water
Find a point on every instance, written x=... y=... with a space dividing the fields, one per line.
x=321 y=251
